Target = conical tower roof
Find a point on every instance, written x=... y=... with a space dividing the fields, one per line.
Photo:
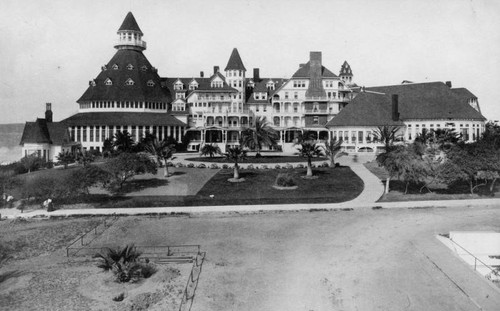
x=345 y=70
x=129 y=23
x=235 y=62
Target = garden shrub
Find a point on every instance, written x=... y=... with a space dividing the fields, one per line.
x=214 y=166
x=250 y=167
x=256 y=167
x=300 y=165
x=190 y=165
x=277 y=166
x=285 y=180
x=264 y=167
x=288 y=166
x=124 y=264
x=179 y=164
x=225 y=166
x=201 y=165
x=170 y=164
x=325 y=164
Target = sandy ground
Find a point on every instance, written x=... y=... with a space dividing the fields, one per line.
x=358 y=260
x=344 y=260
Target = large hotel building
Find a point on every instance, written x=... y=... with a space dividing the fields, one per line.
x=214 y=108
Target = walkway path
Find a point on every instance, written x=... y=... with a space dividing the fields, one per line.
x=373 y=190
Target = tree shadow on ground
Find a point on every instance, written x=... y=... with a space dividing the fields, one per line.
x=458 y=188
x=141 y=184
x=177 y=173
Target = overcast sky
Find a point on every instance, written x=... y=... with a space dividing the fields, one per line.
x=49 y=50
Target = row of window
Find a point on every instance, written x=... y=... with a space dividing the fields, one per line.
x=124 y=104
x=100 y=133
x=129 y=67
x=129 y=81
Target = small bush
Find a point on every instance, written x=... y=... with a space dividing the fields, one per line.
x=256 y=167
x=214 y=166
x=250 y=167
x=264 y=167
x=288 y=166
x=225 y=166
x=300 y=165
x=148 y=270
x=179 y=164
x=285 y=180
x=190 y=165
x=277 y=166
x=170 y=164
x=119 y=297
x=325 y=164
x=201 y=165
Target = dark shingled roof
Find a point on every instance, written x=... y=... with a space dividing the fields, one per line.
x=427 y=101
x=463 y=92
x=366 y=109
x=303 y=72
x=345 y=70
x=261 y=86
x=431 y=100
x=43 y=132
x=122 y=118
x=129 y=23
x=140 y=91
x=235 y=62
x=204 y=85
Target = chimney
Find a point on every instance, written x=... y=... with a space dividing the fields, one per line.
x=202 y=74
x=256 y=75
x=395 y=109
x=48 y=112
x=315 y=89
x=448 y=83
x=216 y=69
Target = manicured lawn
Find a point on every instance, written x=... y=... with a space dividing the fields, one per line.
x=263 y=159
x=333 y=186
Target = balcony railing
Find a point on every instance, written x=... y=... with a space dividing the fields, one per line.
x=132 y=43
x=316 y=111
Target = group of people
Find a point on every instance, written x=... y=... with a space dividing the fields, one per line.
x=8 y=202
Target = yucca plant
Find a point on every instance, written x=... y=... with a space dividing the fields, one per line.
x=122 y=262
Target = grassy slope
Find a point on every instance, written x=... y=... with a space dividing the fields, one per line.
x=253 y=159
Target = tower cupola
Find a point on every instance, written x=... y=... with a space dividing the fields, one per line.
x=130 y=35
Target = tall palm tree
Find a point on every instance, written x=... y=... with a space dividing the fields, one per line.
x=123 y=141
x=210 y=150
x=236 y=154
x=261 y=134
x=162 y=151
x=333 y=149
x=309 y=149
x=387 y=134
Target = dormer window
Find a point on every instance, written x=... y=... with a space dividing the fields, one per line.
x=178 y=86
x=108 y=82
x=115 y=67
x=193 y=85
x=179 y=95
x=92 y=82
x=130 y=67
x=104 y=68
x=144 y=68
x=250 y=85
x=151 y=83
x=216 y=84
x=129 y=82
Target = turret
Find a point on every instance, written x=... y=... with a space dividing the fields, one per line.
x=130 y=35
x=235 y=74
x=346 y=73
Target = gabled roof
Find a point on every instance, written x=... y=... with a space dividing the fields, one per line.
x=118 y=91
x=123 y=118
x=129 y=23
x=43 y=132
x=204 y=85
x=235 y=62
x=303 y=72
x=261 y=86
x=366 y=109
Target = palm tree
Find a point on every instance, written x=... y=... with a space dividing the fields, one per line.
x=333 y=149
x=210 y=150
x=123 y=141
x=309 y=149
x=162 y=151
x=123 y=262
x=236 y=154
x=387 y=135
x=261 y=134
